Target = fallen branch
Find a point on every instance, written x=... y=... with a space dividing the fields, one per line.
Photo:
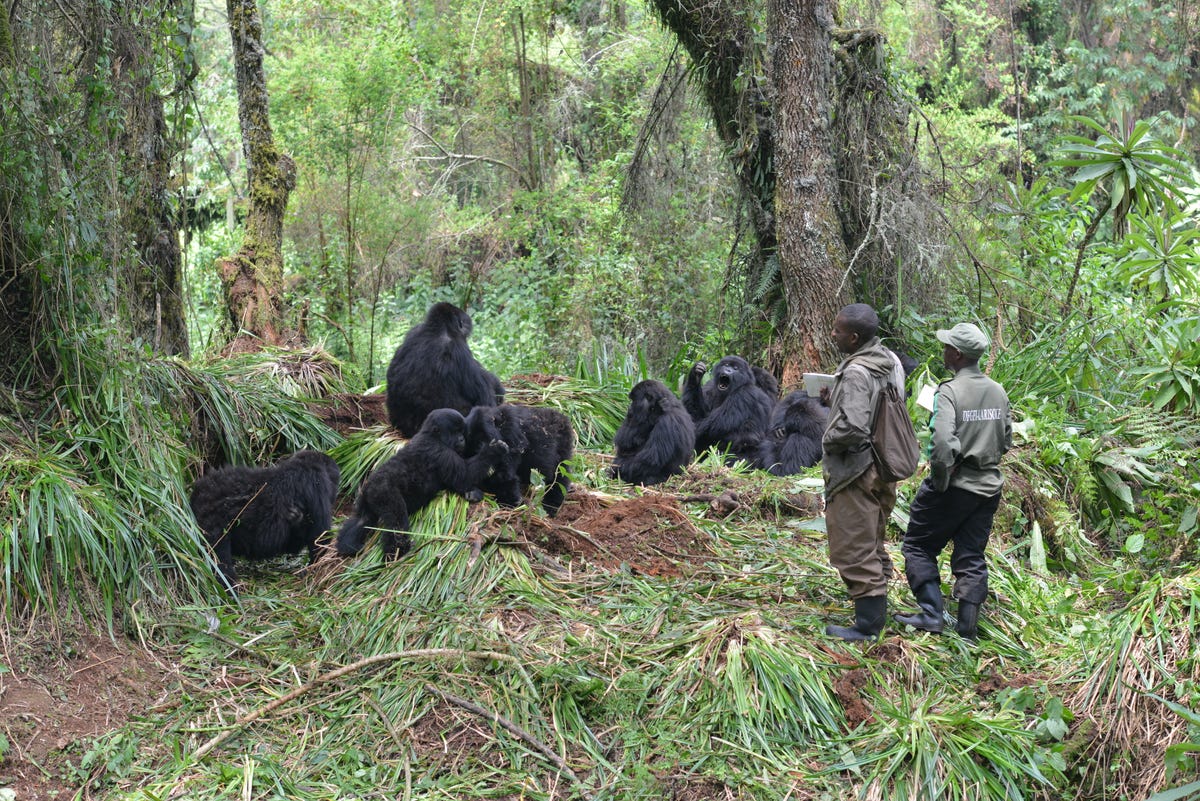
x=512 y=728
x=324 y=678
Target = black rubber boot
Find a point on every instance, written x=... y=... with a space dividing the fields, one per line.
x=870 y=614
x=929 y=598
x=968 y=620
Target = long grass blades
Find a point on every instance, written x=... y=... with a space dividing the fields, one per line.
x=1148 y=656
x=595 y=411
x=747 y=683
x=937 y=746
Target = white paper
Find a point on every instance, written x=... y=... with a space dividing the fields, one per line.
x=925 y=397
x=813 y=382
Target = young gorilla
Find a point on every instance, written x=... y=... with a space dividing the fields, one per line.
x=735 y=418
x=434 y=369
x=432 y=461
x=538 y=438
x=657 y=438
x=260 y=512
x=793 y=442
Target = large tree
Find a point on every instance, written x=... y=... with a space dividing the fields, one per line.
x=253 y=278
x=804 y=244
x=812 y=249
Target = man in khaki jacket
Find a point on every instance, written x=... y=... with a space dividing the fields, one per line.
x=971 y=428
x=858 y=502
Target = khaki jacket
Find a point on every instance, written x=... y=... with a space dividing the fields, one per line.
x=971 y=428
x=846 y=444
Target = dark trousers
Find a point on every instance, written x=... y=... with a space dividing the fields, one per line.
x=936 y=518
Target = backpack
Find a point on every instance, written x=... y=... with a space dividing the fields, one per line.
x=893 y=440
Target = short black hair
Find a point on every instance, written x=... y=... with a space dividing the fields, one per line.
x=861 y=319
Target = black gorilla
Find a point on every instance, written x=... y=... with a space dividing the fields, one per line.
x=735 y=417
x=700 y=399
x=656 y=438
x=538 y=438
x=434 y=369
x=793 y=441
x=766 y=382
x=432 y=461
x=260 y=512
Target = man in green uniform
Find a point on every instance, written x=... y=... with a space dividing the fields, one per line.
x=971 y=429
x=858 y=502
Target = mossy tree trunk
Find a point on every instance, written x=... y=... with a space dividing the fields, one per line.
x=154 y=282
x=812 y=250
x=253 y=279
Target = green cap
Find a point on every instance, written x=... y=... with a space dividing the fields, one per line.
x=966 y=338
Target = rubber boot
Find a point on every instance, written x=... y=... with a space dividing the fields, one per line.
x=870 y=614
x=929 y=598
x=968 y=620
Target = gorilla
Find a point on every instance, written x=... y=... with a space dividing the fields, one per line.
x=699 y=401
x=735 y=418
x=793 y=441
x=767 y=382
x=432 y=461
x=260 y=512
x=538 y=438
x=656 y=438
x=434 y=369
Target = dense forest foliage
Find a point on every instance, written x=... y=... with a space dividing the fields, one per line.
x=217 y=222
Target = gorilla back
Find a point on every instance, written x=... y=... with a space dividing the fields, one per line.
x=431 y=462
x=434 y=369
x=656 y=438
x=260 y=512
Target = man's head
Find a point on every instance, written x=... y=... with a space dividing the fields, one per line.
x=963 y=345
x=854 y=326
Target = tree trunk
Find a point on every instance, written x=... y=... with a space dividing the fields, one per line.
x=155 y=280
x=253 y=279
x=812 y=252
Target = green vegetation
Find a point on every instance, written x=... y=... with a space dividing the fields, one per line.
x=551 y=167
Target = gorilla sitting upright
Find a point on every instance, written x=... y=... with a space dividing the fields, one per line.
x=538 y=438
x=431 y=462
x=656 y=438
x=434 y=369
x=260 y=512
x=735 y=417
x=793 y=441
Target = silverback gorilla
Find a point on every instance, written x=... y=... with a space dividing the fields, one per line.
x=793 y=441
x=538 y=438
x=434 y=369
x=432 y=461
x=260 y=512
x=657 y=437
x=734 y=415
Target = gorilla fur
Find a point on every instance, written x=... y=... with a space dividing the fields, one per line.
x=700 y=398
x=793 y=442
x=260 y=512
x=735 y=418
x=432 y=461
x=434 y=369
x=657 y=437
x=538 y=438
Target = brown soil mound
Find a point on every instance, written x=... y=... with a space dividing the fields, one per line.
x=649 y=534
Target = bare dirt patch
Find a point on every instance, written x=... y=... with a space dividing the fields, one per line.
x=56 y=694
x=650 y=535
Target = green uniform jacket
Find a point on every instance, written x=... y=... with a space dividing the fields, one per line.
x=971 y=429
x=846 y=444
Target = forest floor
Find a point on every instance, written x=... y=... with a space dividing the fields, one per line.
x=61 y=689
